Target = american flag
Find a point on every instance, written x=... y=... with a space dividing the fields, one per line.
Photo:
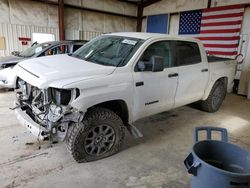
x=218 y=28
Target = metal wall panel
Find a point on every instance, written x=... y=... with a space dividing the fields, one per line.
x=12 y=32
x=88 y=35
x=81 y=35
x=174 y=24
x=106 y=5
x=169 y=6
x=216 y=3
x=4 y=11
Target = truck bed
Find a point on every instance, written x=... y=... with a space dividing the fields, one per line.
x=212 y=59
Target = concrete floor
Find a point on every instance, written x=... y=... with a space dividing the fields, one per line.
x=156 y=160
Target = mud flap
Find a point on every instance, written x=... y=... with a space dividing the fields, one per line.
x=136 y=133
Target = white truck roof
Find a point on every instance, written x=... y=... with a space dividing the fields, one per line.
x=146 y=36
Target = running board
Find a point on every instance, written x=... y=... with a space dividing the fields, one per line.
x=136 y=133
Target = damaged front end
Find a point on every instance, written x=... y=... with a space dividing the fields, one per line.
x=47 y=112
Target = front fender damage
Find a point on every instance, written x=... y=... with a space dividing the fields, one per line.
x=39 y=111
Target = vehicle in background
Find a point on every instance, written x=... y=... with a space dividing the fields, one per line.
x=114 y=80
x=8 y=78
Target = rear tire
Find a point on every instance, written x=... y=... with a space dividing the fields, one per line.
x=99 y=135
x=215 y=98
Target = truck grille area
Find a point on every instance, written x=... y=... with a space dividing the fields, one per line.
x=50 y=108
x=34 y=101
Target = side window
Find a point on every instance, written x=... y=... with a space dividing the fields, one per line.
x=187 y=53
x=159 y=49
x=62 y=49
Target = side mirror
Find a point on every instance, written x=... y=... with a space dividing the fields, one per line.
x=157 y=63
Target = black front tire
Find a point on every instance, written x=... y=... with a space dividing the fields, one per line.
x=99 y=135
x=215 y=98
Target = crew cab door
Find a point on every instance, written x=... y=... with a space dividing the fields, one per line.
x=193 y=73
x=154 y=92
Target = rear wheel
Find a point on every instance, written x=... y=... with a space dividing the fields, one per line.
x=100 y=135
x=215 y=98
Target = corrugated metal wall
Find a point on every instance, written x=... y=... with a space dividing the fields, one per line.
x=22 y=18
x=12 y=32
x=88 y=35
x=81 y=35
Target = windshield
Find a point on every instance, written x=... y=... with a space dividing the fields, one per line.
x=34 y=50
x=109 y=50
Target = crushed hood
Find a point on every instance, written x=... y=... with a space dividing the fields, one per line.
x=60 y=69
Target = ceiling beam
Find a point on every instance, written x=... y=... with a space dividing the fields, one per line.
x=46 y=2
x=149 y=2
x=129 y=2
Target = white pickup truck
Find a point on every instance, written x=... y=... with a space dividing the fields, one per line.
x=90 y=97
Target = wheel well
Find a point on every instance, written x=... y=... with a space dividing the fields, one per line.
x=16 y=86
x=224 y=80
x=117 y=106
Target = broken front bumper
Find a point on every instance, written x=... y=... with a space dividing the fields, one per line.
x=32 y=126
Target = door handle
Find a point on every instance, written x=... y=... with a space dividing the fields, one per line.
x=204 y=70
x=137 y=84
x=173 y=75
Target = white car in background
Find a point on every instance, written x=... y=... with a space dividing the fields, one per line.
x=8 y=78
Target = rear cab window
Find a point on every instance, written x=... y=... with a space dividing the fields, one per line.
x=187 y=53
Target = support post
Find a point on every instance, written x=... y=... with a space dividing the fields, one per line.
x=61 y=19
x=209 y=3
x=139 y=18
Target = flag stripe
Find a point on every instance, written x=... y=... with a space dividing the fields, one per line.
x=223 y=8
x=219 y=38
x=220 y=31
x=222 y=16
x=220 y=42
x=222 y=20
x=221 y=27
x=223 y=12
x=215 y=35
x=222 y=49
x=221 y=45
x=220 y=23
x=223 y=53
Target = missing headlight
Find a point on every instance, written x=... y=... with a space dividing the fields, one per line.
x=61 y=96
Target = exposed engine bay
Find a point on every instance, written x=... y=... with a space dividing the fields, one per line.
x=50 y=108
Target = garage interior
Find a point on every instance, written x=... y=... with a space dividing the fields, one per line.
x=156 y=159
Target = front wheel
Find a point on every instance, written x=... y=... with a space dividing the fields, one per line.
x=215 y=98
x=100 y=135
